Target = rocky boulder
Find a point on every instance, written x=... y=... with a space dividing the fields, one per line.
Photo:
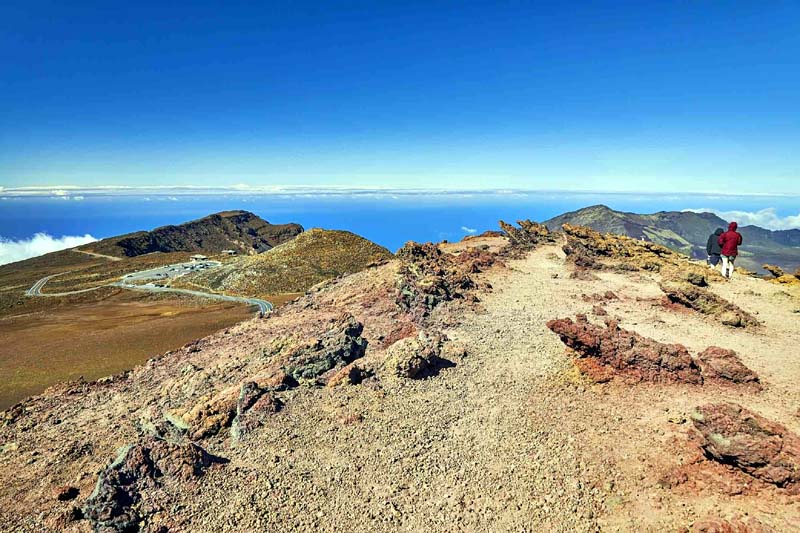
x=736 y=436
x=722 y=364
x=339 y=346
x=127 y=491
x=415 y=357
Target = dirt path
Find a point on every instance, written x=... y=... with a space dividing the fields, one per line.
x=511 y=438
x=477 y=448
x=95 y=254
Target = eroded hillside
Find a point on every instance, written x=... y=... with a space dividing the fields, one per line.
x=435 y=392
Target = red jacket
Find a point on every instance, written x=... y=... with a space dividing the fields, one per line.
x=730 y=240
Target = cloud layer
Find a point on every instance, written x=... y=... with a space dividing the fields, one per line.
x=766 y=218
x=39 y=244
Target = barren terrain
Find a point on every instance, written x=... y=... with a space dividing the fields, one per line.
x=99 y=338
x=429 y=394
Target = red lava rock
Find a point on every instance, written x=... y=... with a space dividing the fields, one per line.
x=475 y=260
x=626 y=353
x=400 y=331
x=719 y=363
x=604 y=352
x=766 y=450
x=599 y=311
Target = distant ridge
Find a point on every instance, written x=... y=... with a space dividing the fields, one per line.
x=687 y=232
x=241 y=231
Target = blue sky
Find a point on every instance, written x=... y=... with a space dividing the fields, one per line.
x=644 y=96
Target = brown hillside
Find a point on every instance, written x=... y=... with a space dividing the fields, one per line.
x=312 y=257
x=235 y=230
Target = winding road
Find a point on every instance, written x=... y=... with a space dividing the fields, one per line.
x=169 y=271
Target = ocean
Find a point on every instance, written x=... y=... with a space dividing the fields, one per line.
x=389 y=219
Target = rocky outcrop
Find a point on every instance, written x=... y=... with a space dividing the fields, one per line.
x=127 y=491
x=780 y=276
x=341 y=345
x=429 y=277
x=527 y=236
x=246 y=404
x=733 y=435
x=415 y=357
x=707 y=303
x=776 y=271
x=588 y=249
x=253 y=408
x=606 y=352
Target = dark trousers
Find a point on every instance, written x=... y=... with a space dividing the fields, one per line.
x=714 y=259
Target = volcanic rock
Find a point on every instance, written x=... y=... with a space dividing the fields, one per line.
x=776 y=271
x=707 y=303
x=118 y=501
x=719 y=363
x=340 y=346
x=415 y=357
x=736 y=436
x=429 y=277
x=254 y=406
x=527 y=236
x=604 y=352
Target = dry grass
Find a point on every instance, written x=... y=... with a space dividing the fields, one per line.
x=96 y=339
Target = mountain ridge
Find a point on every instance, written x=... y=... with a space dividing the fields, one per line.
x=237 y=230
x=687 y=232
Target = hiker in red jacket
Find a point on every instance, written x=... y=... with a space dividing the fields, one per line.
x=729 y=242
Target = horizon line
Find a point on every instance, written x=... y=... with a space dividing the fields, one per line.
x=60 y=191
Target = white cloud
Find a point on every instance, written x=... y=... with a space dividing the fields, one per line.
x=39 y=244
x=469 y=230
x=766 y=218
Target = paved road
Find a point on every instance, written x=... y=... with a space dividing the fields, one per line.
x=36 y=290
x=263 y=305
x=161 y=273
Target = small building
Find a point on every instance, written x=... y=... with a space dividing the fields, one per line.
x=229 y=252
x=198 y=257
